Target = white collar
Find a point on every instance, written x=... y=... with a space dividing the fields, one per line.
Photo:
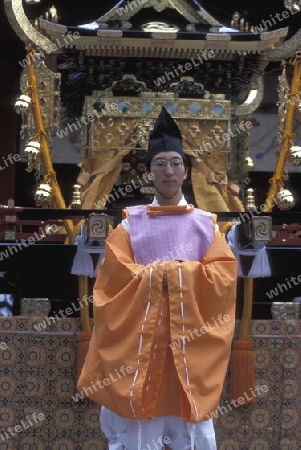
x=181 y=202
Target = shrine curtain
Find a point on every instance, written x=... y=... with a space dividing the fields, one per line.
x=109 y=143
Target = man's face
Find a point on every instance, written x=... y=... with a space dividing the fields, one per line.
x=169 y=171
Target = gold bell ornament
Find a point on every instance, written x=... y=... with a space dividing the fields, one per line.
x=285 y=199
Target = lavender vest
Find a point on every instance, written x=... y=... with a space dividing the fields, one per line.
x=163 y=238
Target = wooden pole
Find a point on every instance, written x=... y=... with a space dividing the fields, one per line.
x=71 y=228
x=242 y=358
x=276 y=182
x=50 y=175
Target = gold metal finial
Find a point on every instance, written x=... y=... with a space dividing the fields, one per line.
x=76 y=197
x=250 y=199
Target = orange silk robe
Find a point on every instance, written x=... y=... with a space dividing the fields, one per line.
x=164 y=323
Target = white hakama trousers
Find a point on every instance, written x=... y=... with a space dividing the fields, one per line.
x=131 y=434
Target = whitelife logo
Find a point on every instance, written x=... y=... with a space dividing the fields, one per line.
x=181 y=69
x=41 y=326
x=9 y=160
x=199 y=331
x=122 y=191
x=134 y=4
x=65 y=41
x=85 y=121
x=273 y=20
x=23 y=425
x=100 y=384
x=284 y=286
x=247 y=396
x=12 y=249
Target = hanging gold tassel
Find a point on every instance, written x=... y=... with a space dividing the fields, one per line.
x=85 y=335
x=82 y=349
x=242 y=358
x=242 y=355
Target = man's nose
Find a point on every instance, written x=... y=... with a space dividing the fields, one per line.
x=169 y=168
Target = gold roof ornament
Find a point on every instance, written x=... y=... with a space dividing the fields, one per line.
x=193 y=12
x=163 y=40
x=215 y=36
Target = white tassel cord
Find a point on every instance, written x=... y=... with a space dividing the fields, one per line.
x=260 y=265
x=83 y=262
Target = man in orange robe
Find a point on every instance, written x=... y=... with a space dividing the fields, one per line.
x=164 y=314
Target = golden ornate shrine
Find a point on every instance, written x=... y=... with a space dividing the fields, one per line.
x=109 y=84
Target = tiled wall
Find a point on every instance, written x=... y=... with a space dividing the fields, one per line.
x=274 y=421
x=38 y=373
